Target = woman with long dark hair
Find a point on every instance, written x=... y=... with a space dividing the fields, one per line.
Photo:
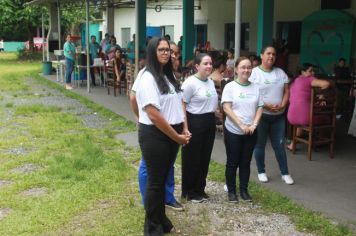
x=161 y=119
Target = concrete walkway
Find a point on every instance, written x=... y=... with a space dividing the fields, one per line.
x=324 y=185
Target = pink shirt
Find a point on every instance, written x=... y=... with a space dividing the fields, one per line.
x=299 y=101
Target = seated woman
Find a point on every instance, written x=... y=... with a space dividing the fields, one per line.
x=300 y=98
x=219 y=66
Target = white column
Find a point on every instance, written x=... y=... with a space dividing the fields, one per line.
x=237 y=28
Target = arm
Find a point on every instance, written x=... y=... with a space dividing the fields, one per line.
x=133 y=104
x=185 y=124
x=227 y=106
x=117 y=71
x=323 y=84
x=285 y=99
x=158 y=120
x=256 y=120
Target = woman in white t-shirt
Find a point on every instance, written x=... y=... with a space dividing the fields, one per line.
x=273 y=84
x=201 y=101
x=243 y=106
x=161 y=118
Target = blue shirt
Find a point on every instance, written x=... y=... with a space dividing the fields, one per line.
x=69 y=50
x=94 y=49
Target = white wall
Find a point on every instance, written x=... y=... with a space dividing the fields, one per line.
x=124 y=18
x=216 y=13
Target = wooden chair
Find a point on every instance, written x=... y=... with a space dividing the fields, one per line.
x=219 y=113
x=130 y=73
x=323 y=103
x=112 y=81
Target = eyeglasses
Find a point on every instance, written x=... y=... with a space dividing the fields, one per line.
x=164 y=50
x=245 y=67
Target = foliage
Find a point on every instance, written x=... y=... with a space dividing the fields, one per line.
x=14 y=11
x=23 y=54
x=18 y=22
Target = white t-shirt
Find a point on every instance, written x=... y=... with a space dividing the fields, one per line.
x=245 y=99
x=200 y=96
x=137 y=80
x=147 y=93
x=271 y=85
x=230 y=63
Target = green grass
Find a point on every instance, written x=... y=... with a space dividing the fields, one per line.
x=305 y=220
x=86 y=172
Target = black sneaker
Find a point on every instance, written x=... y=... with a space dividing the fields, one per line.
x=232 y=197
x=205 y=196
x=245 y=196
x=197 y=199
x=175 y=206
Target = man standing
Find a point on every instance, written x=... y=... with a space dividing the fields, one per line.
x=104 y=42
x=131 y=49
x=93 y=49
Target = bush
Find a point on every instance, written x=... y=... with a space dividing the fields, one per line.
x=28 y=55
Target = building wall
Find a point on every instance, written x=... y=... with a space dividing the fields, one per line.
x=217 y=13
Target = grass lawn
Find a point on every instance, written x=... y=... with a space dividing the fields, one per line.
x=84 y=178
x=89 y=186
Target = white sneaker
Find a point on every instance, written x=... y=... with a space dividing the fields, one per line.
x=225 y=188
x=288 y=179
x=263 y=178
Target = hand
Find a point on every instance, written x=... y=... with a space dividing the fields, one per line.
x=252 y=129
x=183 y=139
x=186 y=132
x=245 y=129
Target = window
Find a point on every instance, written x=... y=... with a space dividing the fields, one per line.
x=230 y=36
x=290 y=32
x=333 y=4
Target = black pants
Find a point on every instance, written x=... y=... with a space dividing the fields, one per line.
x=159 y=153
x=239 y=149
x=92 y=76
x=196 y=155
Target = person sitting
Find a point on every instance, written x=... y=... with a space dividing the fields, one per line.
x=219 y=66
x=111 y=48
x=300 y=98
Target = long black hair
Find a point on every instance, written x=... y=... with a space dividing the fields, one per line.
x=153 y=66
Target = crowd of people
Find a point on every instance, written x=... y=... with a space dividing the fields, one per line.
x=107 y=50
x=175 y=108
x=171 y=113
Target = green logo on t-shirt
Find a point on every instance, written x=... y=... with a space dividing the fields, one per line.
x=242 y=96
x=208 y=94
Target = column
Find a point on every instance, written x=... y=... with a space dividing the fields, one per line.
x=188 y=30
x=264 y=24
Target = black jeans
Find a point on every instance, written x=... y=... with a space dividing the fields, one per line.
x=239 y=149
x=159 y=153
x=196 y=155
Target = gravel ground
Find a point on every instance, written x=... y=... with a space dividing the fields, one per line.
x=217 y=216
x=222 y=218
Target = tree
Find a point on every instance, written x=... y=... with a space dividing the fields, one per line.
x=18 y=22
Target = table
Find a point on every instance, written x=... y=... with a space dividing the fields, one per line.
x=101 y=70
x=59 y=69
